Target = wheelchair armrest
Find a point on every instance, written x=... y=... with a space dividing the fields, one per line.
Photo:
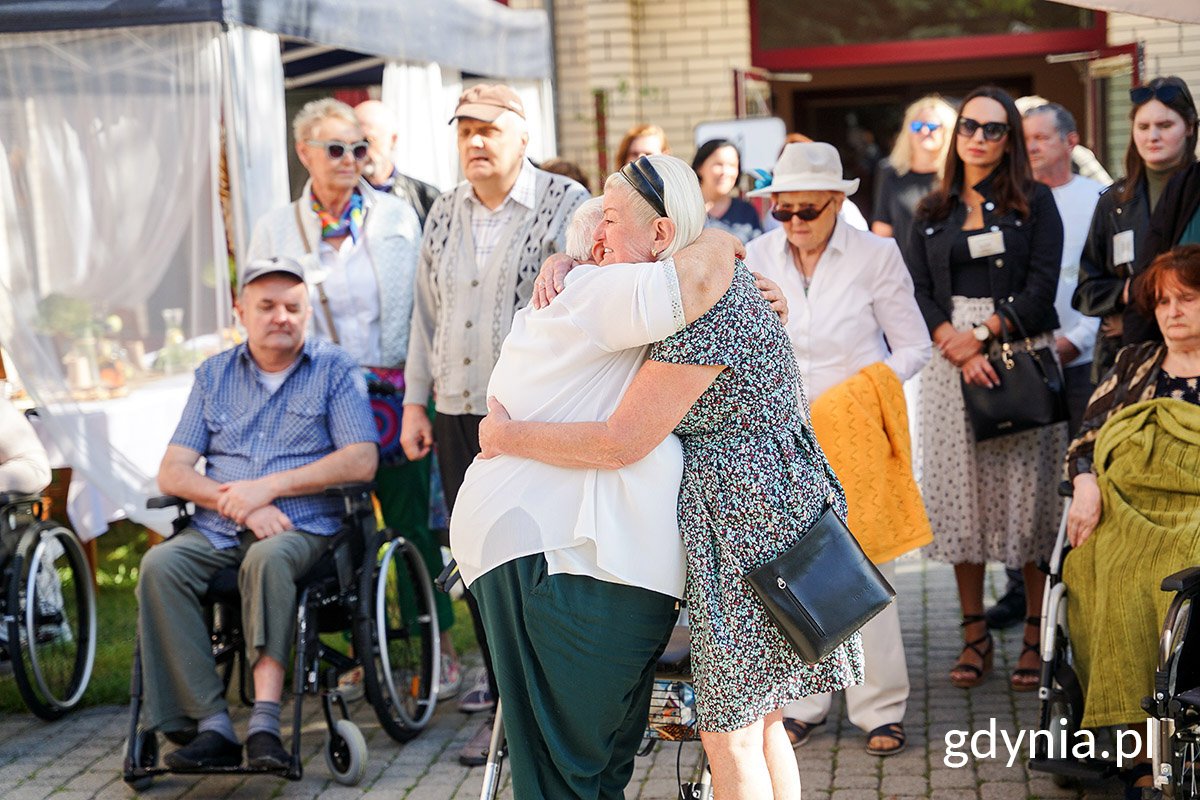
x=349 y=489
x=1066 y=489
x=1186 y=580
x=10 y=498
x=166 y=501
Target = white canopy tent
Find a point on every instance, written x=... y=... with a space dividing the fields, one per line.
x=123 y=123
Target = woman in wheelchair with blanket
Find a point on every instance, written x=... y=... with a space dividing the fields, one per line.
x=1135 y=470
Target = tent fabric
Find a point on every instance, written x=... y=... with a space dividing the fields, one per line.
x=477 y=36
x=1173 y=10
x=113 y=265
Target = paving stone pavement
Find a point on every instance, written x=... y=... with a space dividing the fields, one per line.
x=80 y=756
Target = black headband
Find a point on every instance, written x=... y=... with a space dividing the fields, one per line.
x=646 y=181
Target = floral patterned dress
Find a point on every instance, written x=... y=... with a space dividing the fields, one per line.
x=754 y=480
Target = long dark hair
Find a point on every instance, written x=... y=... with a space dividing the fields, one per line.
x=1184 y=106
x=1013 y=178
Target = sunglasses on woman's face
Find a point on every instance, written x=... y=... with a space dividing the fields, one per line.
x=992 y=131
x=335 y=150
x=806 y=213
x=646 y=181
x=1166 y=94
x=917 y=126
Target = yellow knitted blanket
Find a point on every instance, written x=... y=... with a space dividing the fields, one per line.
x=862 y=425
x=1148 y=466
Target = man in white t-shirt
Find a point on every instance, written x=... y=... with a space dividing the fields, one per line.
x=1050 y=137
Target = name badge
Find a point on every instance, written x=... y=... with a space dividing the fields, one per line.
x=986 y=244
x=1123 y=247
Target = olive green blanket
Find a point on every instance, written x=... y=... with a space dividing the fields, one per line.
x=1148 y=465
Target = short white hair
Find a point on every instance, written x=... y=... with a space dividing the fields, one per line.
x=681 y=195
x=582 y=230
x=311 y=114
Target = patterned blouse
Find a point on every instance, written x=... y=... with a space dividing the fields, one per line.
x=1133 y=378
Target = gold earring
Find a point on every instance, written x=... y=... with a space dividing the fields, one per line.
x=653 y=253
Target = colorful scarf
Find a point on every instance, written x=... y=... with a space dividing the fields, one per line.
x=349 y=223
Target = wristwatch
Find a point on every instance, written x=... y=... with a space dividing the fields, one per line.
x=982 y=333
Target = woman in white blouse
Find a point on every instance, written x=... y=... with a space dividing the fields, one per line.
x=578 y=571
x=851 y=305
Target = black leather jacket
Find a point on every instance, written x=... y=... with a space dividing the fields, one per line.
x=1101 y=280
x=1025 y=275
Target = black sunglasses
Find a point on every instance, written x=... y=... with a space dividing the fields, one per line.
x=335 y=150
x=1165 y=93
x=646 y=181
x=992 y=131
x=806 y=213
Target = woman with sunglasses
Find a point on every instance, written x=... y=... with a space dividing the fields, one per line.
x=851 y=309
x=989 y=234
x=1161 y=145
x=754 y=478
x=909 y=173
x=359 y=249
x=718 y=166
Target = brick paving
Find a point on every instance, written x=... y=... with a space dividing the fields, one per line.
x=80 y=757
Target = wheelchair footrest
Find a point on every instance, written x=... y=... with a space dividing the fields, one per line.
x=1073 y=768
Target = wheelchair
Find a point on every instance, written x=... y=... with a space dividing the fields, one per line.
x=1174 y=708
x=371 y=583
x=1060 y=694
x=49 y=607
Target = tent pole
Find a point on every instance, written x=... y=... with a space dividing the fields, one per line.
x=233 y=160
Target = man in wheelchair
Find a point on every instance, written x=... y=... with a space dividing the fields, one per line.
x=276 y=419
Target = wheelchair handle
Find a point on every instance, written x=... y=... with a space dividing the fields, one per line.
x=448 y=577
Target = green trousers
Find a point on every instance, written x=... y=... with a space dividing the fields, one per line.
x=180 y=683
x=574 y=660
x=403 y=494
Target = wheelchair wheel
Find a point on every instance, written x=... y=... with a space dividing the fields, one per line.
x=52 y=636
x=399 y=641
x=346 y=753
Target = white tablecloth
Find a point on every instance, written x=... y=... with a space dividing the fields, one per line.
x=114 y=448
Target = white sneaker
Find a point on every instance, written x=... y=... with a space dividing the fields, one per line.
x=479 y=698
x=451 y=681
x=350 y=685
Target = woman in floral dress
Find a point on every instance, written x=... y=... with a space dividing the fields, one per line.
x=754 y=481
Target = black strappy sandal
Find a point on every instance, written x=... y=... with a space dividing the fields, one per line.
x=1026 y=679
x=894 y=732
x=985 y=654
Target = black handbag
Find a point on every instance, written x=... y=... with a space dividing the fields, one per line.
x=822 y=589
x=1030 y=394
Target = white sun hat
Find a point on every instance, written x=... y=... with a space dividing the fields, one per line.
x=808 y=167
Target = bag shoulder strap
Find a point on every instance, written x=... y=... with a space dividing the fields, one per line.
x=333 y=334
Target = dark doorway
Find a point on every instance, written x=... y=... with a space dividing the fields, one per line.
x=863 y=122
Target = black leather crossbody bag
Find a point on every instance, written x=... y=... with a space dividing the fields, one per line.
x=1030 y=394
x=822 y=589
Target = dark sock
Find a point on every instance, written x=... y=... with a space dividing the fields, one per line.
x=264 y=717
x=219 y=722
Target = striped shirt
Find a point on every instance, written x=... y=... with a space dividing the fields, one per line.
x=245 y=431
x=487 y=225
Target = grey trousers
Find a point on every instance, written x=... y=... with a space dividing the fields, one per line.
x=180 y=683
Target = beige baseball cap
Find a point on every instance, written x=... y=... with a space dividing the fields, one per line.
x=487 y=101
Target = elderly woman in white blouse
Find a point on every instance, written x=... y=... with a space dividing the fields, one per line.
x=578 y=571
x=851 y=306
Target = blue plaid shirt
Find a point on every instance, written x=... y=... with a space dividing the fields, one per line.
x=245 y=432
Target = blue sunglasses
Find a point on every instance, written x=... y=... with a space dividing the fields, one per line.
x=916 y=126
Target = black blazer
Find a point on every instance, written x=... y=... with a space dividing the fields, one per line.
x=1025 y=275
